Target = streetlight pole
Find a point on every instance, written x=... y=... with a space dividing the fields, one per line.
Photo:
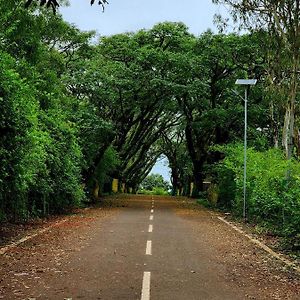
x=245 y=153
x=246 y=83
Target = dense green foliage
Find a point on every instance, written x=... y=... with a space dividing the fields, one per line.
x=273 y=193
x=154 y=184
x=75 y=115
x=272 y=186
x=43 y=127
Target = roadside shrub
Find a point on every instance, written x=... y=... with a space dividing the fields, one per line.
x=159 y=191
x=226 y=187
x=155 y=191
x=106 y=167
x=22 y=143
x=41 y=159
x=273 y=188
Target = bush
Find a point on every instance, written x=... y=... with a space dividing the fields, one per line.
x=159 y=191
x=154 y=181
x=155 y=191
x=41 y=159
x=273 y=188
x=106 y=167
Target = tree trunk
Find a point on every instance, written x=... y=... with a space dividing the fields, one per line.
x=288 y=128
x=274 y=127
x=289 y=120
x=198 y=178
x=96 y=190
x=175 y=181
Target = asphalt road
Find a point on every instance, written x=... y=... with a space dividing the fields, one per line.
x=153 y=248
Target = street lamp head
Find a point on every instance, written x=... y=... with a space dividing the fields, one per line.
x=246 y=81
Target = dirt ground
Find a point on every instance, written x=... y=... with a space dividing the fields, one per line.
x=246 y=264
x=32 y=269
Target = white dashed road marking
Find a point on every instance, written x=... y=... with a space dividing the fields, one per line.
x=149 y=248
x=150 y=228
x=146 y=286
x=146 y=279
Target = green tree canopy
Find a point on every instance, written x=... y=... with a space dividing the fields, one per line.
x=153 y=181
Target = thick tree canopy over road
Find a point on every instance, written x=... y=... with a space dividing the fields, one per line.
x=80 y=119
x=76 y=115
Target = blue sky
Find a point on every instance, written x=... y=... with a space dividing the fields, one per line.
x=132 y=15
x=161 y=167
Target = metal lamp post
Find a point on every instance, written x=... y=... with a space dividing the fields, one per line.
x=246 y=83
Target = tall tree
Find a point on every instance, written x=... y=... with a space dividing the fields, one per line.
x=282 y=22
